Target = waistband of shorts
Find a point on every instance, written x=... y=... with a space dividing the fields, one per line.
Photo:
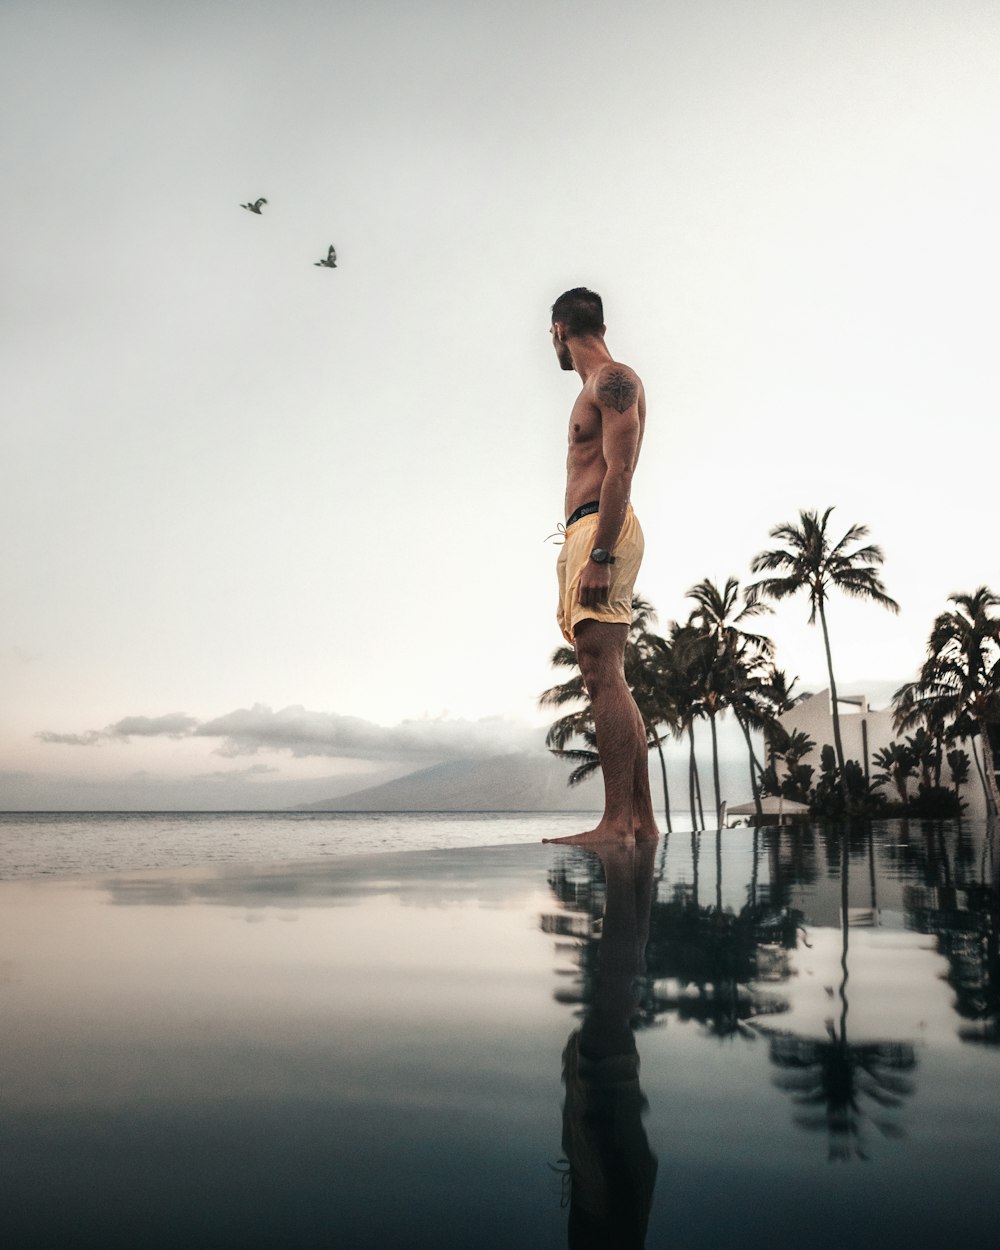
x=591 y=509
x=585 y=509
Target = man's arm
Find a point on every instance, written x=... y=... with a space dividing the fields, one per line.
x=617 y=396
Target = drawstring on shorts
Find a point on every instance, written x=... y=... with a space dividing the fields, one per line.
x=560 y=533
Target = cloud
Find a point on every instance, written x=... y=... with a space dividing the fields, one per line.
x=302 y=732
x=173 y=725
x=236 y=774
x=89 y=739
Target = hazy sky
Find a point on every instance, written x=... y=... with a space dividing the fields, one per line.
x=259 y=514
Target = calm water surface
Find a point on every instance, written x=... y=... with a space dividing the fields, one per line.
x=37 y=844
x=753 y=1039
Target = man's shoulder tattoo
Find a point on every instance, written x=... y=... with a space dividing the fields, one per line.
x=617 y=389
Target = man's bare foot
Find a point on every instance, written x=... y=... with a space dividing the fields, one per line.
x=647 y=833
x=604 y=833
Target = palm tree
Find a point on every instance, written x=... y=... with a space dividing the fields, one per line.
x=958 y=766
x=733 y=659
x=775 y=693
x=776 y=690
x=809 y=560
x=683 y=673
x=922 y=746
x=963 y=730
x=897 y=762
x=790 y=748
x=721 y=614
x=752 y=705
x=960 y=679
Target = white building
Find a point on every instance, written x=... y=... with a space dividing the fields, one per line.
x=865 y=731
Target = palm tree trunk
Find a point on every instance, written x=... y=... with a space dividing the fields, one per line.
x=754 y=782
x=695 y=782
x=697 y=795
x=753 y=758
x=663 y=773
x=837 y=743
x=691 y=768
x=989 y=766
x=715 y=769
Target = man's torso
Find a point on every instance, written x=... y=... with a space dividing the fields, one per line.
x=585 y=463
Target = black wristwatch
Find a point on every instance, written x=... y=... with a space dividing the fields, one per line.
x=600 y=556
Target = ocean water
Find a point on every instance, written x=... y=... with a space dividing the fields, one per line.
x=43 y=844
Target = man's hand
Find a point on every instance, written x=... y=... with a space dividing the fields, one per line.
x=595 y=580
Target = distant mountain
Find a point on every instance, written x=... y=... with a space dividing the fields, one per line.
x=534 y=781
x=529 y=781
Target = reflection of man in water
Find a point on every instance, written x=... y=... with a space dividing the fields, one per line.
x=612 y=1169
x=599 y=560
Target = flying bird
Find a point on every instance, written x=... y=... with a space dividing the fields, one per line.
x=331 y=259
x=255 y=206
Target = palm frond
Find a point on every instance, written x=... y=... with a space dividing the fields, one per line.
x=590 y=762
x=779 y=587
x=566 y=728
x=870 y=588
x=563 y=657
x=567 y=692
x=853 y=535
x=768 y=561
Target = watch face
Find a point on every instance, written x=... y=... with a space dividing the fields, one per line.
x=599 y=555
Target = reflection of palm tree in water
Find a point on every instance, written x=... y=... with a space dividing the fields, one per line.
x=835 y=1076
x=715 y=966
x=612 y=1170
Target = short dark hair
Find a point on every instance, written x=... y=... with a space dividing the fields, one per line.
x=580 y=311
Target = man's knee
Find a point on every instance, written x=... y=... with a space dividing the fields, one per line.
x=600 y=651
x=591 y=666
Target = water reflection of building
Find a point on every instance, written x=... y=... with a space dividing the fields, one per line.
x=956 y=898
x=803 y=863
x=933 y=878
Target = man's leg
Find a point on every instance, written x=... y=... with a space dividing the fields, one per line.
x=642 y=799
x=621 y=738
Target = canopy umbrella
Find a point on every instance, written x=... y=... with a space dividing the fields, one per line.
x=770 y=805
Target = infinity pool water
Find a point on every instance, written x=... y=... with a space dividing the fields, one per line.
x=754 y=1038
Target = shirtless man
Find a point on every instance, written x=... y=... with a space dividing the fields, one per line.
x=600 y=558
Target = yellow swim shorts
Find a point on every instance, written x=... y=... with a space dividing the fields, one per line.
x=573 y=557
